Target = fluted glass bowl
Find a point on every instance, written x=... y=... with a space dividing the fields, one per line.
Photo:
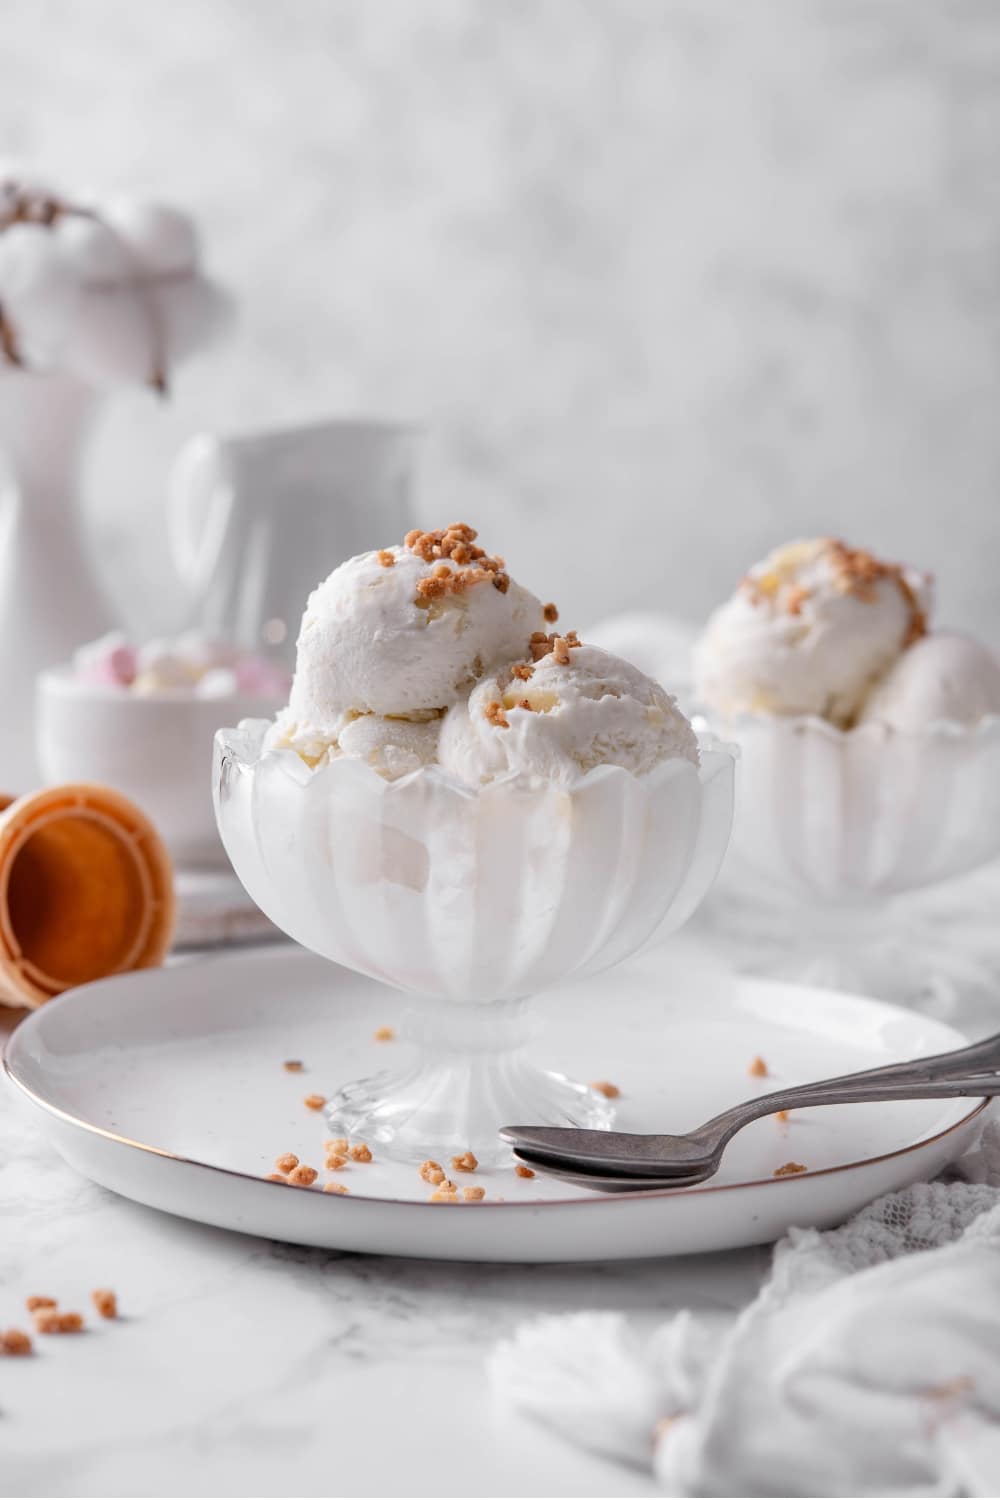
x=834 y=827
x=471 y=900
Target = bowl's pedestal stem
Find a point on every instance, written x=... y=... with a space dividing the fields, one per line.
x=468 y=1077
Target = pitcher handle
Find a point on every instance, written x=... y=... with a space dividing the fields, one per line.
x=199 y=502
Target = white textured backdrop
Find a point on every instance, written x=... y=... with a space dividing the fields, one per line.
x=668 y=279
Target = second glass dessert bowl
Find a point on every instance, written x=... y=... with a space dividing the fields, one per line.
x=471 y=900
x=838 y=829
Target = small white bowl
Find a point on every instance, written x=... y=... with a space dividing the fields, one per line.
x=157 y=750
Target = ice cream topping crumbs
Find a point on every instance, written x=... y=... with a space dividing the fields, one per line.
x=559 y=646
x=457 y=543
x=494 y=714
x=855 y=571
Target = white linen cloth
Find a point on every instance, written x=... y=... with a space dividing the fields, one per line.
x=869 y=1363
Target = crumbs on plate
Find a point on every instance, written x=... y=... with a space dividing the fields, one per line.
x=105 y=1301
x=15 y=1342
x=302 y=1176
x=51 y=1320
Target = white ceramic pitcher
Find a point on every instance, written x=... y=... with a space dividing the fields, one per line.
x=256 y=521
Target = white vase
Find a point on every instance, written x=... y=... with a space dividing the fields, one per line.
x=50 y=600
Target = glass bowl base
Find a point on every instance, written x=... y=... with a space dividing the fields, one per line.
x=441 y=1107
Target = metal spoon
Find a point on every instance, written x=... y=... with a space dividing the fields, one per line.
x=617 y=1161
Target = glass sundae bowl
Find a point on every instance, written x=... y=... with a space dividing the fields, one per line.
x=839 y=832
x=472 y=901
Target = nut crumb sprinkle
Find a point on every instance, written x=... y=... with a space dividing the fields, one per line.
x=493 y=713
x=469 y=565
x=431 y=1171
x=334 y=1163
x=287 y=1163
x=790 y=1169
x=473 y=1194
x=758 y=1068
x=314 y=1101
x=105 y=1301
x=49 y=1320
x=335 y=1187
x=33 y=1303
x=293 y=1065
x=609 y=1090
x=445 y=1192
x=359 y=1152
x=303 y=1176
x=558 y=646
x=522 y=1171
x=466 y=1162
x=550 y=614
x=384 y=1034
x=276 y=1177
x=523 y=671
x=338 y=1146
x=385 y=558
x=15 y=1342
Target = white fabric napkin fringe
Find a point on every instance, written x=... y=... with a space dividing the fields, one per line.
x=868 y=1364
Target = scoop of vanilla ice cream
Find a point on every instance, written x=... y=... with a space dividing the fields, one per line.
x=809 y=631
x=560 y=720
x=944 y=676
x=394 y=747
x=372 y=643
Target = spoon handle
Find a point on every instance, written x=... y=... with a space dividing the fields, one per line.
x=971 y=1070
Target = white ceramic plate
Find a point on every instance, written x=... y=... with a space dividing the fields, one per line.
x=168 y=1086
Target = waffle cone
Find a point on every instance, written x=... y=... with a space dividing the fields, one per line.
x=86 y=890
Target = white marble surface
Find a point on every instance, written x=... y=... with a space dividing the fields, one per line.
x=249 y=1367
x=245 y=1367
x=728 y=266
